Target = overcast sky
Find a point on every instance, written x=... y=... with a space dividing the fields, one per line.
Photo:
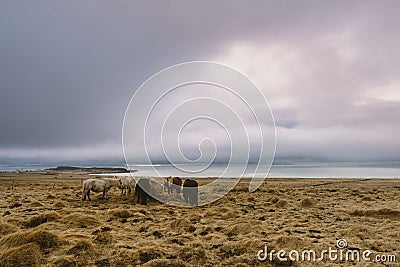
x=329 y=69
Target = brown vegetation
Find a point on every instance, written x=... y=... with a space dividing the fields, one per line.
x=389 y=213
x=46 y=240
x=43 y=222
x=306 y=203
x=25 y=255
x=6 y=228
x=41 y=218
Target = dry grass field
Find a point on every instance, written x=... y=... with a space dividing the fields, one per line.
x=43 y=222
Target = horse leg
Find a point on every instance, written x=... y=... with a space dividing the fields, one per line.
x=185 y=195
x=105 y=194
x=144 y=199
x=194 y=197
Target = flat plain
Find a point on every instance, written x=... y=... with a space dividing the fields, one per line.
x=44 y=222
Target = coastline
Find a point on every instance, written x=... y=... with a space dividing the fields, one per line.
x=361 y=170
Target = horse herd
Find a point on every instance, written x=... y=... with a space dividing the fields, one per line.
x=144 y=188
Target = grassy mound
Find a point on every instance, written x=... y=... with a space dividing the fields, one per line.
x=290 y=242
x=25 y=255
x=387 y=213
x=59 y=205
x=36 y=204
x=104 y=238
x=41 y=218
x=82 y=247
x=282 y=203
x=307 y=203
x=66 y=261
x=45 y=240
x=6 y=228
x=120 y=213
x=195 y=254
x=179 y=224
x=82 y=220
x=242 y=228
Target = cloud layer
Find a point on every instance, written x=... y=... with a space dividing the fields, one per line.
x=330 y=70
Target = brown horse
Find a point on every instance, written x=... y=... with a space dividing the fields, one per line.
x=191 y=192
x=171 y=183
x=142 y=188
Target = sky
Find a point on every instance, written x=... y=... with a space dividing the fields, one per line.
x=329 y=70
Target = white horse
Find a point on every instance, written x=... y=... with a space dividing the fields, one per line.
x=95 y=185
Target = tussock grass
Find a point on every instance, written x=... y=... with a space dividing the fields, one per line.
x=165 y=263
x=82 y=220
x=59 y=205
x=231 y=249
x=195 y=254
x=46 y=240
x=281 y=203
x=360 y=231
x=6 y=228
x=271 y=191
x=36 y=204
x=139 y=256
x=195 y=217
x=66 y=261
x=25 y=255
x=274 y=200
x=41 y=218
x=179 y=224
x=242 y=228
x=83 y=252
x=82 y=247
x=120 y=213
x=389 y=213
x=290 y=242
x=306 y=203
x=229 y=215
x=367 y=198
x=228 y=232
x=124 y=257
x=104 y=238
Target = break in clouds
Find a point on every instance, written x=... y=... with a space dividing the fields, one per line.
x=329 y=70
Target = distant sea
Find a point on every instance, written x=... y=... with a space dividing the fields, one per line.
x=377 y=169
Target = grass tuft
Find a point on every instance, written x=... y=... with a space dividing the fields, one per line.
x=281 y=203
x=41 y=218
x=307 y=203
x=82 y=247
x=387 y=213
x=6 y=228
x=82 y=220
x=25 y=255
x=120 y=213
x=44 y=239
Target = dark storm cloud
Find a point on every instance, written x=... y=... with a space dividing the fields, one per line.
x=68 y=69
